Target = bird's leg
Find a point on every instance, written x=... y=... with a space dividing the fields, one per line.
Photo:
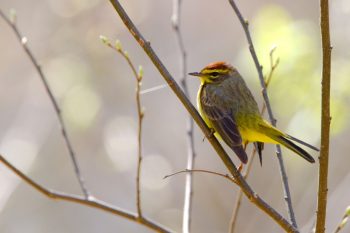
x=240 y=168
x=245 y=143
x=211 y=134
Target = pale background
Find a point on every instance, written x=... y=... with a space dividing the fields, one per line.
x=95 y=90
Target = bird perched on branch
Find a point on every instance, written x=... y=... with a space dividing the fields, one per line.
x=229 y=108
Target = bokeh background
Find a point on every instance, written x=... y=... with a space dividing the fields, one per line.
x=95 y=89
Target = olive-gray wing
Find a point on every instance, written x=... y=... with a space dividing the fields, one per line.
x=224 y=124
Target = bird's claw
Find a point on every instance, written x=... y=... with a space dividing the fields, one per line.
x=240 y=168
x=211 y=134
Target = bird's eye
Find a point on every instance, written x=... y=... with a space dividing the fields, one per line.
x=215 y=74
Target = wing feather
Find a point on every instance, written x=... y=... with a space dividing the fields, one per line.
x=224 y=123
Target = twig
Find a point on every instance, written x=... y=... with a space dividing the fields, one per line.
x=273 y=66
x=138 y=76
x=23 y=41
x=152 y=89
x=140 y=118
x=344 y=220
x=325 y=118
x=287 y=196
x=251 y=195
x=191 y=154
x=226 y=176
x=90 y=202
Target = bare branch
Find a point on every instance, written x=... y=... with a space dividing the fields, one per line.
x=152 y=89
x=287 y=196
x=251 y=195
x=23 y=42
x=191 y=154
x=325 y=118
x=140 y=117
x=238 y=201
x=90 y=201
x=138 y=76
x=226 y=176
x=273 y=66
x=344 y=220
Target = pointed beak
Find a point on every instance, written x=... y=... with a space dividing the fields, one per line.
x=196 y=74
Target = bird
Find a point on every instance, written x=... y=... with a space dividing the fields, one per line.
x=228 y=108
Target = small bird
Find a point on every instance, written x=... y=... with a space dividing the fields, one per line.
x=229 y=108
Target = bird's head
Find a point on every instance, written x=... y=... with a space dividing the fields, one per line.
x=215 y=72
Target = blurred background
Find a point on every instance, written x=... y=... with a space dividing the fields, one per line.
x=95 y=89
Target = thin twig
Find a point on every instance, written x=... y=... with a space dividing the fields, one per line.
x=325 y=118
x=23 y=41
x=226 y=176
x=344 y=220
x=191 y=154
x=251 y=195
x=90 y=202
x=273 y=66
x=152 y=89
x=138 y=76
x=141 y=114
x=287 y=196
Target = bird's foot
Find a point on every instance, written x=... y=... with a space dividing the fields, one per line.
x=240 y=168
x=245 y=145
x=211 y=134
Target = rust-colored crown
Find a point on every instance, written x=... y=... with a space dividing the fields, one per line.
x=220 y=65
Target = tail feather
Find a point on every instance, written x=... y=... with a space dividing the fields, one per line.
x=298 y=150
x=259 y=146
x=285 y=140
x=303 y=143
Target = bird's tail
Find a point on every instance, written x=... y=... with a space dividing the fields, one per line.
x=286 y=141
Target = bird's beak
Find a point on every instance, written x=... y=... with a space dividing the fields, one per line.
x=196 y=74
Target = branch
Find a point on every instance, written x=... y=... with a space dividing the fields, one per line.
x=344 y=220
x=23 y=40
x=251 y=195
x=325 y=119
x=141 y=114
x=138 y=76
x=226 y=176
x=287 y=196
x=233 y=221
x=90 y=201
x=238 y=201
x=87 y=199
x=191 y=154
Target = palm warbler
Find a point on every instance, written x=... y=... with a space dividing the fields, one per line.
x=229 y=108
